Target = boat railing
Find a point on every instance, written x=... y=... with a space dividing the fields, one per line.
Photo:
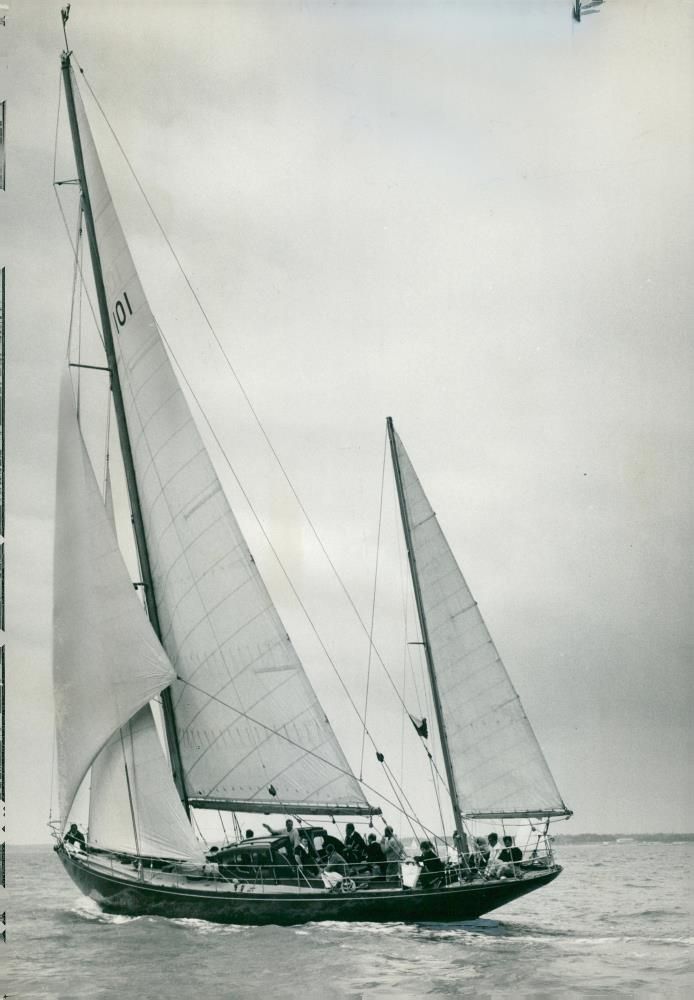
x=474 y=867
x=55 y=826
x=409 y=876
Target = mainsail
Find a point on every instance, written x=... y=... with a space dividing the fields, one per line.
x=251 y=731
x=498 y=765
x=133 y=804
x=107 y=661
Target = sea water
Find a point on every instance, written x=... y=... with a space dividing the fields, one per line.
x=616 y=923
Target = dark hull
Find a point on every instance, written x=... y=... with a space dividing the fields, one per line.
x=115 y=894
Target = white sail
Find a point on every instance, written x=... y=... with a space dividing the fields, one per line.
x=133 y=805
x=107 y=662
x=498 y=765
x=247 y=717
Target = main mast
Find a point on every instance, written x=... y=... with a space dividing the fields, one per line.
x=133 y=493
x=450 y=776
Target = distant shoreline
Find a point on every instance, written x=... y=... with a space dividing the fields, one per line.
x=600 y=838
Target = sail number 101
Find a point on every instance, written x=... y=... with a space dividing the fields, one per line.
x=119 y=313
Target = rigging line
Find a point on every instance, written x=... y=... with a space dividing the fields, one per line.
x=263 y=432
x=107 y=456
x=237 y=827
x=305 y=750
x=422 y=704
x=284 y=809
x=417 y=663
x=266 y=536
x=274 y=453
x=402 y=729
x=198 y=827
x=404 y=591
x=425 y=710
x=224 y=829
x=373 y=606
x=80 y=255
x=434 y=764
x=286 y=575
x=284 y=571
x=57 y=123
x=235 y=376
x=75 y=271
x=127 y=782
x=404 y=796
x=438 y=800
x=290 y=582
x=60 y=205
x=74 y=251
x=400 y=806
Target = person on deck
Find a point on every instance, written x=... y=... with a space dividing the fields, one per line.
x=510 y=853
x=304 y=858
x=481 y=854
x=433 y=867
x=75 y=836
x=375 y=856
x=291 y=832
x=494 y=849
x=336 y=863
x=355 y=848
x=459 y=845
x=493 y=866
x=457 y=850
x=335 y=870
x=393 y=850
x=211 y=867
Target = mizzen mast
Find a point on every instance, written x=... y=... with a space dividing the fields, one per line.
x=116 y=390
x=440 y=721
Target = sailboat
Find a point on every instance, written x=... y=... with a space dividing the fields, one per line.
x=184 y=692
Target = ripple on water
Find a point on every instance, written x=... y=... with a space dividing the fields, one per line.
x=618 y=929
x=86 y=909
x=205 y=927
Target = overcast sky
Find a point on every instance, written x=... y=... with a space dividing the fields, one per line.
x=474 y=217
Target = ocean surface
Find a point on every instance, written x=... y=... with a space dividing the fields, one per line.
x=617 y=923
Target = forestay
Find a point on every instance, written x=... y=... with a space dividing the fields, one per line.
x=133 y=804
x=242 y=687
x=107 y=661
x=498 y=765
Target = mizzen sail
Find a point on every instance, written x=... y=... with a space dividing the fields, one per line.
x=248 y=719
x=498 y=765
x=107 y=661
